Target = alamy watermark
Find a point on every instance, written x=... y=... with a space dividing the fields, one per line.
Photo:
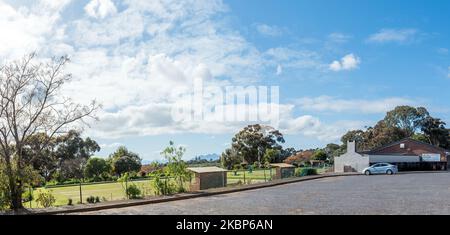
x=257 y=104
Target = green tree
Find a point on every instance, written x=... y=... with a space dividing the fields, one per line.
x=123 y=160
x=285 y=153
x=407 y=118
x=31 y=102
x=270 y=156
x=176 y=167
x=230 y=158
x=435 y=132
x=72 y=153
x=96 y=167
x=252 y=141
x=320 y=155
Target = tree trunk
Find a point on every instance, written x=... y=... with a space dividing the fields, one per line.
x=16 y=198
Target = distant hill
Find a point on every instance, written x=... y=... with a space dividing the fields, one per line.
x=207 y=157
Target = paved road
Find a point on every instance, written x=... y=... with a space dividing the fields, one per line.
x=425 y=193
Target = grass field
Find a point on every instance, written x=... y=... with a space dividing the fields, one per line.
x=115 y=190
x=108 y=191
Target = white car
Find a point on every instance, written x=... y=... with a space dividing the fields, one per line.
x=380 y=168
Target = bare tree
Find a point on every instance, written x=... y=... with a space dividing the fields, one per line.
x=30 y=103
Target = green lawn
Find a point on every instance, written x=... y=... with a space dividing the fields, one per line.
x=108 y=191
x=115 y=190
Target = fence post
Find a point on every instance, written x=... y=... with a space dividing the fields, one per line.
x=265 y=174
x=126 y=187
x=81 y=194
x=31 y=193
x=270 y=172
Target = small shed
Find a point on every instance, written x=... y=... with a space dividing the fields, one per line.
x=208 y=177
x=283 y=170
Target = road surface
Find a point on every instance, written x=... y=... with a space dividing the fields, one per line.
x=418 y=193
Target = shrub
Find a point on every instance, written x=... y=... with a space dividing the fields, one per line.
x=163 y=187
x=27 y=196
x=90 y=199
x=69 y=202
x=305 y=172
x=104 y=199
x=45 y=198
x=133 y=192
x=97 y=199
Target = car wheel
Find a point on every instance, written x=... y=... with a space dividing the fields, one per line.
x=367 y=172
x=389 y=172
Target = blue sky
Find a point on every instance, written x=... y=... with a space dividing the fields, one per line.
x=340 y=65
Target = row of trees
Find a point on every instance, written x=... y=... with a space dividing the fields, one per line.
x=399 y=123
x=256 y=145
x=260 y=145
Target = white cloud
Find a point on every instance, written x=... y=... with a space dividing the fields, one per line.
x=339 y=37
x=111 y=145
x=31 y=28
x=291 y=58
x=393 y=35
x=311 y=126
x=131 y=60
x=100 y=8
x=267 y=30
x=328 y=103
x=442 y=51
x=348 y=62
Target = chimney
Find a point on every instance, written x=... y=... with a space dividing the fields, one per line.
x=351 y=147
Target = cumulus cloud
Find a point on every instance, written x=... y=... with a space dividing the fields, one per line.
x=132 y=60
x=31 y=28
x=100 y=8
x=328 y=103
x=348 y=62
x=393 y=35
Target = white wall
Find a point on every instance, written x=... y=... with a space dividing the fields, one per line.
x=357 y=161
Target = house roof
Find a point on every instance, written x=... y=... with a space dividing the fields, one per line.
x=376 y=150
x=282 y=165
x=206 y=169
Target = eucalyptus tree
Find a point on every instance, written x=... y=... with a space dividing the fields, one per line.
x=31 y=102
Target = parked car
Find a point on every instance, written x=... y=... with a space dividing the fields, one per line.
x=380 y=168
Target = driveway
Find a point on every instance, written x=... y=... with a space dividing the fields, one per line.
x=420 y=193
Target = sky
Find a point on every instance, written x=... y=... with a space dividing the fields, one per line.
x=339 y=65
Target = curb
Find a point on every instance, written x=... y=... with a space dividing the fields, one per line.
x=196 y=194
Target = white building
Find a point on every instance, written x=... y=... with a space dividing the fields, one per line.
x=406 y=154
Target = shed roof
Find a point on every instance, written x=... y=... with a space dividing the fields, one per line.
x=282 y=165
x=206 y=169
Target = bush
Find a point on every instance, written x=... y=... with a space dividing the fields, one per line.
x=97 y=199
x=90 y=199
x=69 y=202
x=305 y=172
x=27 y=196
x=45 y=198
x=133 y=192
x=163 y=187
